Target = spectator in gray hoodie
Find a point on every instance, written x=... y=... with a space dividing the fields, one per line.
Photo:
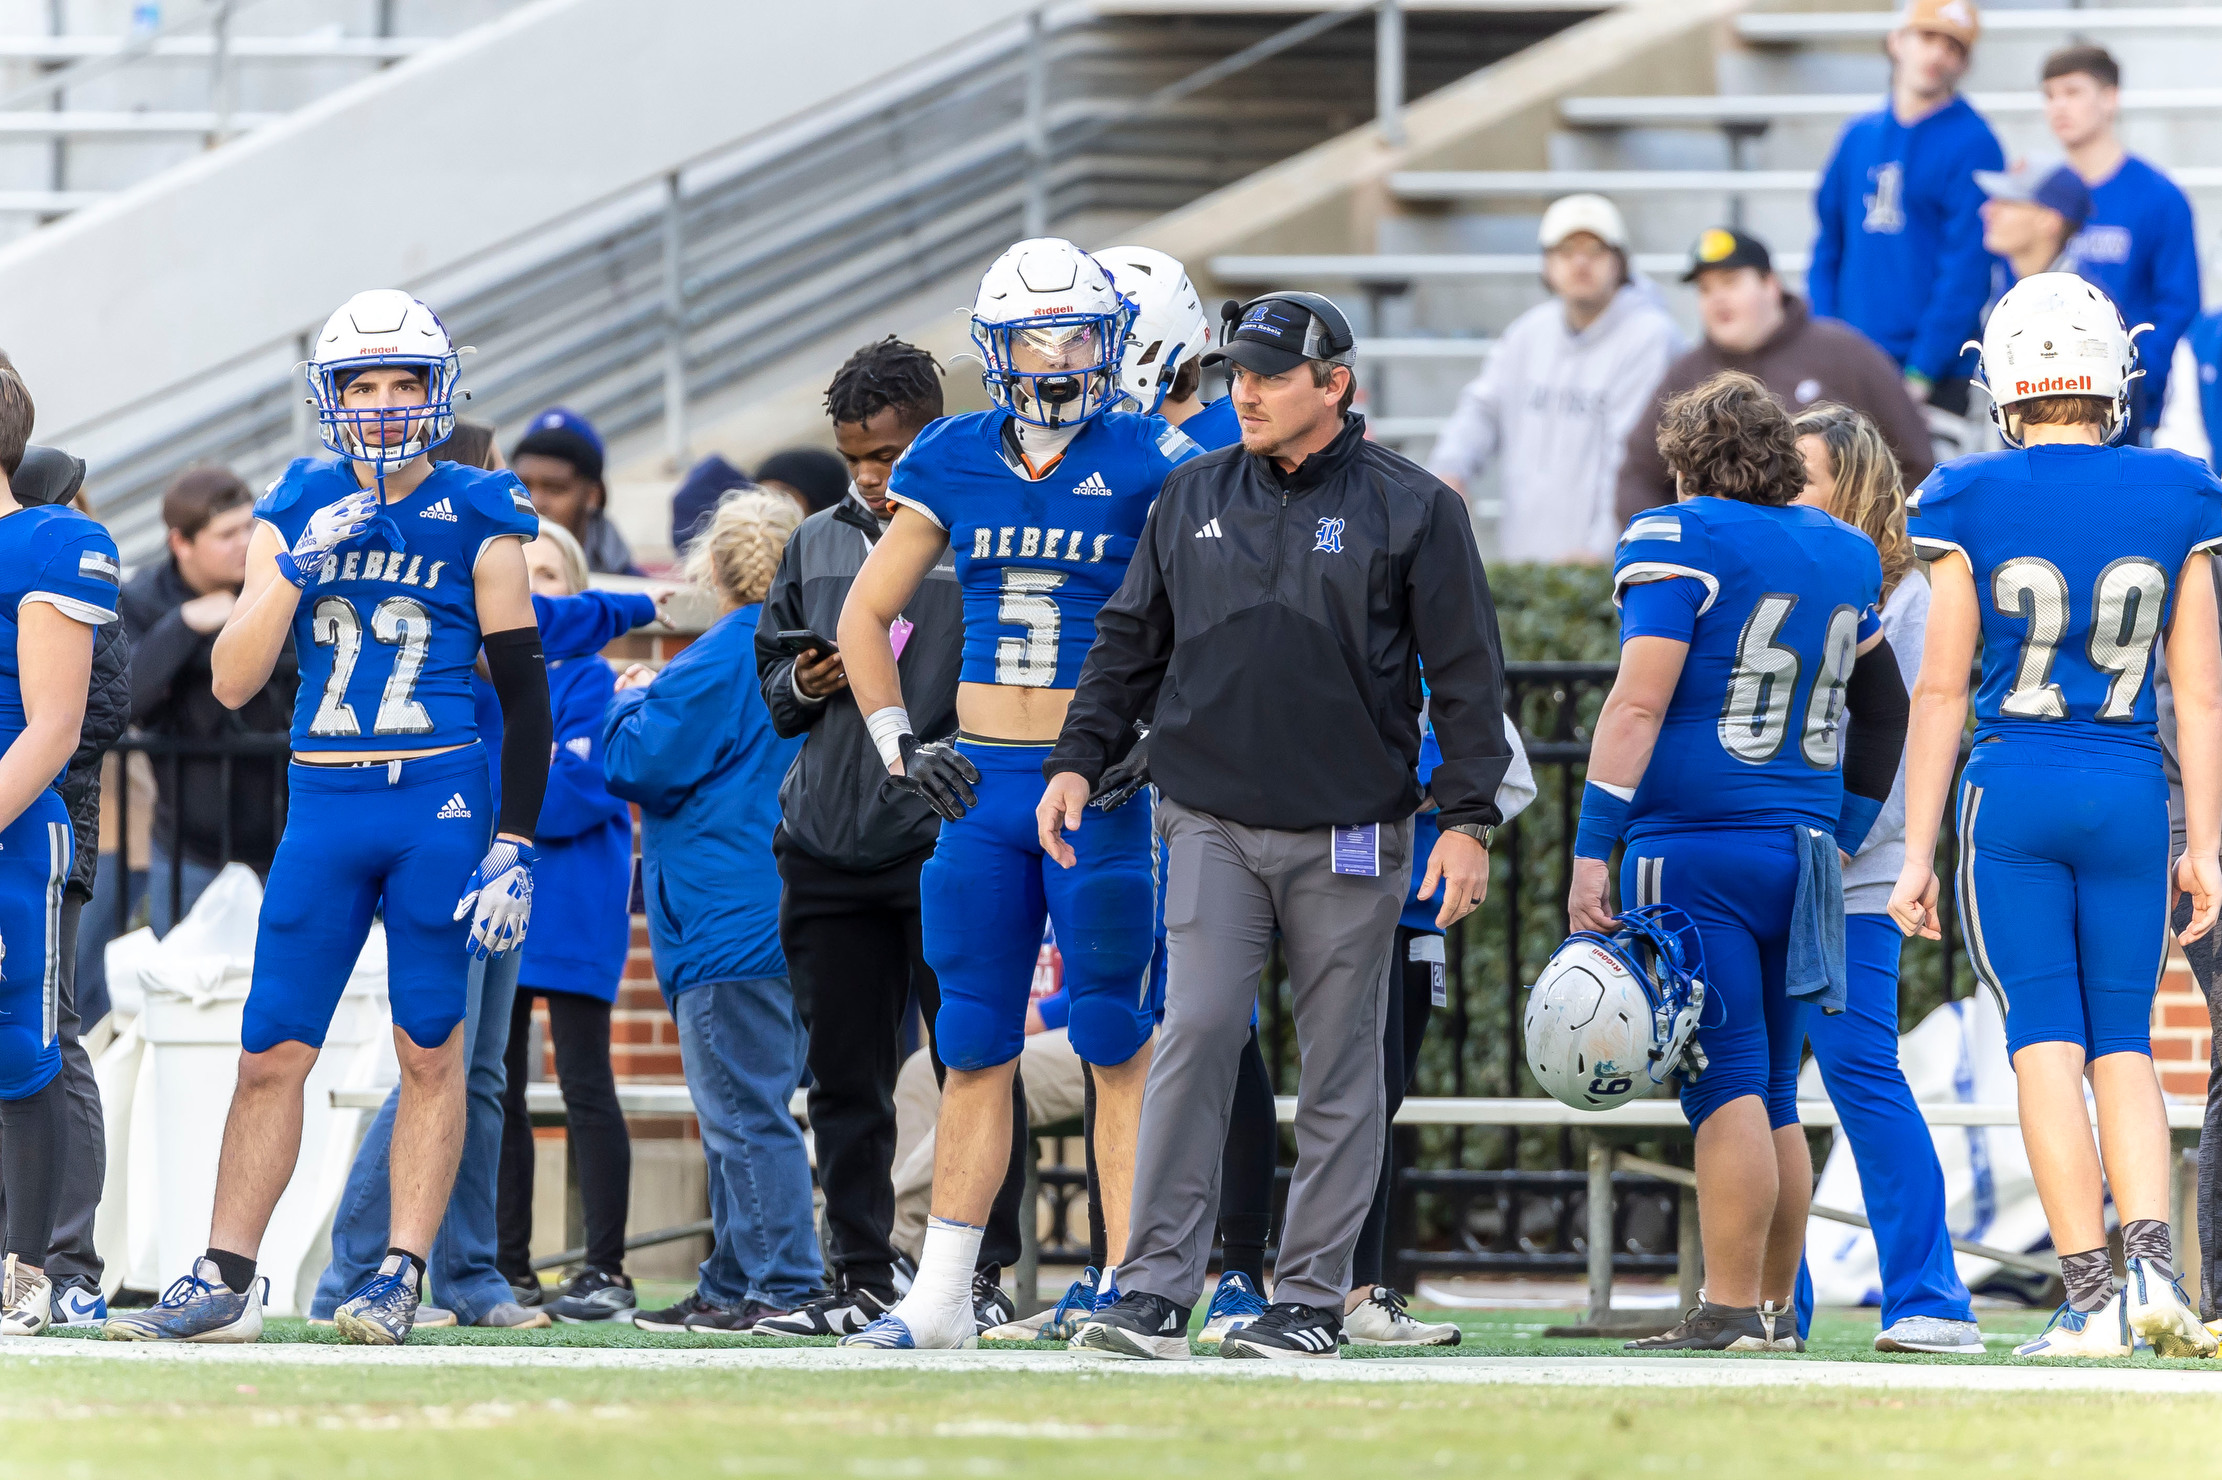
x=1561 y=391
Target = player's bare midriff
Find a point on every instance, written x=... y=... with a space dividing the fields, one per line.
x=365 y=757
x=1004 y=711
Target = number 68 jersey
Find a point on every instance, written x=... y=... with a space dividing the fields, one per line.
x=388 y=635
x=1036 y=557
x=2076 y=551
x=1774 y=603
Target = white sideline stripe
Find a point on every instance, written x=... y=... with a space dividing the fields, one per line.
x=1585 y=1372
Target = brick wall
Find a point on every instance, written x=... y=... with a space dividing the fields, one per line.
x=2180 y=1032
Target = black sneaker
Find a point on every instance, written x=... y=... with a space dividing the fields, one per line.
x=1713 y=1328
x=529 y=1293
x=990 y=1306
x=1141 y=1325
x=596 y=1295
x=839 y=1312
x=733 y=1321
x=1288 y=1331
x=672 y=1317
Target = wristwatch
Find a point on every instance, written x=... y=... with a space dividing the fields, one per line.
x=1480 y=832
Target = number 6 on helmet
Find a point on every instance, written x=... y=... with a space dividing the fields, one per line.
x=1611 y=1016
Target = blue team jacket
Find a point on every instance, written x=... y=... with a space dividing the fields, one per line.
x=1899 y=208
x=696 y=750
x=2140 y=246
x=580 y=928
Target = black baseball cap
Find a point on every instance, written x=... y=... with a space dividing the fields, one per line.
x=1277 y=332
x=1724 y=246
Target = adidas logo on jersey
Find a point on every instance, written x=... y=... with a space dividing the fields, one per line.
x=455 y=806
x=441 y=510
x=1094 y=485
x=1209 y=531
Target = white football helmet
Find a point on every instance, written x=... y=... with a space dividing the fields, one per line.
x=2054 y=334
x=384 y=326
x=1170 y=326
x=1612 y=1016
x=1050 y=325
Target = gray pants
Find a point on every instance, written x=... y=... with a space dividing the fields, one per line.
x=1228 y=888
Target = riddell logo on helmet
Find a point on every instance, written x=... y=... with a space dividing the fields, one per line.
x=1060 y=308
x=2052 y=385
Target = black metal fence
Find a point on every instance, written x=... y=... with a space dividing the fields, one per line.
x=227 y=765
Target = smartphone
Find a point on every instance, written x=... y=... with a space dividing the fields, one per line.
x=793 y=644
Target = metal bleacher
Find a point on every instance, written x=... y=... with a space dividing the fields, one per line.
x=95 y=97
x=1454 y=256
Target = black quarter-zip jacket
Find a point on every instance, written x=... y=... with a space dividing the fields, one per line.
x=1279 y=623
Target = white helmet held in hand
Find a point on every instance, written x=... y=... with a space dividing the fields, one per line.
x=1051 y=326
x=1612 y=1016
x=2054 y=334
x=384 y=327
x=1170 y=325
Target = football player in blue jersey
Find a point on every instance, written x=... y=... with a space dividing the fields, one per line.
x=1042 y=501
x=2070 y=558
x=58 y=581
x=390 y=572
x=1162 y=369
x=1749 y=633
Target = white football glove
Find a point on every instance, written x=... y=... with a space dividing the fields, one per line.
x=328 y=528
x=499 y=899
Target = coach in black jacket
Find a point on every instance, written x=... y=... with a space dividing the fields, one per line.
x=1278 y=611
x=850 y=845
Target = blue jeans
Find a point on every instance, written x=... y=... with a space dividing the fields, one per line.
x=1891 y=1144
x=461 y=1259
x=743 y=1046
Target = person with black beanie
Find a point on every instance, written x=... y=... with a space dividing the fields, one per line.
x=814 y=477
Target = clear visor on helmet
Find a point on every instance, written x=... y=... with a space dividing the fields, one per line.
x=1052 y=349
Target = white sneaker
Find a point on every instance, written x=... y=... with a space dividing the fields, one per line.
x=2156 y=1310
x=2073 y=1333
x=1931 y=1334
x=26 y=1300
x=1380 y=1320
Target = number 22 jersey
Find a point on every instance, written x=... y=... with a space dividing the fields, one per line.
x=1036 y=558
x=1774 y=603
x=388 y=634
x=2075 y=552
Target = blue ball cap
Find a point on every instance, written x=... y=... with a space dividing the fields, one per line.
x=563 y=419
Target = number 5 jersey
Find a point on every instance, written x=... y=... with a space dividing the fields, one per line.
x=2075 y=551
x=388 y=634
x=1774 y=603
x=1036 y=557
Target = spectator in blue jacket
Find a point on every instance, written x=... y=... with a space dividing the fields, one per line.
x=573 y=961
x=2139 y=243
x=467 y=1284
x=2191 y=422
x=1899 y=255
x=694 y=746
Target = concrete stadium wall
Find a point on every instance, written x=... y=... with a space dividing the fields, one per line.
x=547 y=110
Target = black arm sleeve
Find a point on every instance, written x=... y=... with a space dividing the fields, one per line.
x=1876 y=700
x=520 y=678
x=1119 y=679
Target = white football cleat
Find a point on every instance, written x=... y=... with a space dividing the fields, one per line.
x=2073 y=1333
x=26 y=1300
x=2156 y=1310
x=1380 y=1319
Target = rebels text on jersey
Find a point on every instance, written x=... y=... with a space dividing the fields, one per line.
x=1774 y=604
x=1036 y=558
x=388 y=634
x=2075 y=552
x=53 y=554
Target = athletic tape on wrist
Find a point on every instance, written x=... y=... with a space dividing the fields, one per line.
x=1604 y=819
x=888 y=727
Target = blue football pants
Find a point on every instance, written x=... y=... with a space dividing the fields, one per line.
x=986 y=891
x=2063 y=898
x=1737 y=887
x=35 y=858
x=402 y=834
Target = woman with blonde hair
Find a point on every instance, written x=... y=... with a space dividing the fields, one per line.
x=693 y=745
x=1850 y=472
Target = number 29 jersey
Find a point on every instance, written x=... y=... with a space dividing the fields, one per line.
x=388 y=634
x=1036 y=558
x=2075 y=552
x=1774 y=603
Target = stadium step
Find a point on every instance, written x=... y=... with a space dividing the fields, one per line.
x=1871 y=25
x=1406 y=267
x=1547 y=185
x=1767 y=108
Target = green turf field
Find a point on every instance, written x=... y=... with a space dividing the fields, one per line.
x=246 y=1420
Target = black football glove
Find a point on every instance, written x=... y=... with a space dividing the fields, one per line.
x=939 y=774
x=1119 y=784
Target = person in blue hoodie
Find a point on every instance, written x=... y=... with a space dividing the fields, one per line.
x=462 y=1263
x=581 y=883
x=694 y=746
x=1899 y=254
